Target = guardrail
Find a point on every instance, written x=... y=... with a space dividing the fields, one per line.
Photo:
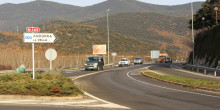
x=205 y=69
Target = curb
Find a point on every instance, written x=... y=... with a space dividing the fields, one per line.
x=181 y=84
x=40 y=98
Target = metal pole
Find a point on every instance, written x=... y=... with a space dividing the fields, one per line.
x=108 y=34
x=17 y=30
x=216 y=17
x=43 y=27
x=33 y=59
x=192 y=32
x=51 y=67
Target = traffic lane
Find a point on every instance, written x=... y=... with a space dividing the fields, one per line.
x=115 y=86
x=165 y=69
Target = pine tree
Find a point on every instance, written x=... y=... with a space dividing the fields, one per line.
x=206 y=16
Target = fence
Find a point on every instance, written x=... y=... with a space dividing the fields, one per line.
x=14 y=59
x=205 y=70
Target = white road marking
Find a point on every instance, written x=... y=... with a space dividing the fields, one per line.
x=95 y=102
x=151 y=70
x=108 y=104
x=172 y=88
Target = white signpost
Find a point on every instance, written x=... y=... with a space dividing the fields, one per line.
x=51 y=54
x=37 y=38
x=113 y=55
x=155 y=54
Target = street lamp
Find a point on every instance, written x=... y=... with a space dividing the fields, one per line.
x=192 y=32
x=108 y=33
x=203 y=19
x=216 y=9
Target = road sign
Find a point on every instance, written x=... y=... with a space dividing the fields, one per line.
x=51 y=54
x=114 y=54
x=32 y=29
x=155 y=54
x=39 y=38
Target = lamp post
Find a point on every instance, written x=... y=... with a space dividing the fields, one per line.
x=108 y=34
x=216 y=9
x=203 y=19
x=192 y=32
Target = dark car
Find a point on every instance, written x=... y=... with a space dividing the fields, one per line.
x=94 y=63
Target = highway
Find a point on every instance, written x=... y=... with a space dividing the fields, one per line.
x=126 y=88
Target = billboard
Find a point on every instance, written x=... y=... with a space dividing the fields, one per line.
x=155 y=54
x=99 y=49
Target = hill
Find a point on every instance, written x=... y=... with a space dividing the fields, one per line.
x=207 y=48
x=74 y=39
x=164 y=32
x=39 y=11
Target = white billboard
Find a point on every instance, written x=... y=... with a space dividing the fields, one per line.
x=99 y=49
x=155 y=54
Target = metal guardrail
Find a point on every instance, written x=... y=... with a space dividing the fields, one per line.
x=205 y=69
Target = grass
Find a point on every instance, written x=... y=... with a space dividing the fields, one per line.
x=189 y=81
x=44 y=84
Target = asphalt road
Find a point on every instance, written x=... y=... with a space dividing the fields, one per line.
x=127 y=87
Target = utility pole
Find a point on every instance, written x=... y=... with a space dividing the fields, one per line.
x=108 y=34
x=192 y=33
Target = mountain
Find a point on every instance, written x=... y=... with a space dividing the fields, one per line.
x=164 y=32
x=74 y=39
x=38 y=12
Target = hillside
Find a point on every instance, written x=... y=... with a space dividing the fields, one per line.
x=38 y=12
x=207 y=51
x=166 y=32
x=74 y=39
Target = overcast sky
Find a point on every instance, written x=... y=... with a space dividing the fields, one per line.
x=91 y=2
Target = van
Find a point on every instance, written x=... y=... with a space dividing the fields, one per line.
x=94 y=63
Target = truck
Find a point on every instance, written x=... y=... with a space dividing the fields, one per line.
x=163 y=58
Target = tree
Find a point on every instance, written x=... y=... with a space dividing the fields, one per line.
x=206 y=16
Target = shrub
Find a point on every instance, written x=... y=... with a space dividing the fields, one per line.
x=45 y=84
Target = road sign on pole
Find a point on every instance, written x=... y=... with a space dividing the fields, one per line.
x=155 y=54
x=32 y=29
x=39 y=38
x=51 y=54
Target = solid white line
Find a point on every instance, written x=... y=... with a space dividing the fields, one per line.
x=172 y=88
x=108 y=104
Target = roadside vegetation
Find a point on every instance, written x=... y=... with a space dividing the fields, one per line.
x=207 y=40
x=44 y=84
x=187 y=81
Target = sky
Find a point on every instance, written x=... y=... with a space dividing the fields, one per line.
x=91 y=2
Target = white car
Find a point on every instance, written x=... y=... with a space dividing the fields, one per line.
x=138 y=60
x=124 y=62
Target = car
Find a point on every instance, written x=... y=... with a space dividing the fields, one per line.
x=124 y=62
x=138 y=60
x=94 y=63
x=169 y=60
